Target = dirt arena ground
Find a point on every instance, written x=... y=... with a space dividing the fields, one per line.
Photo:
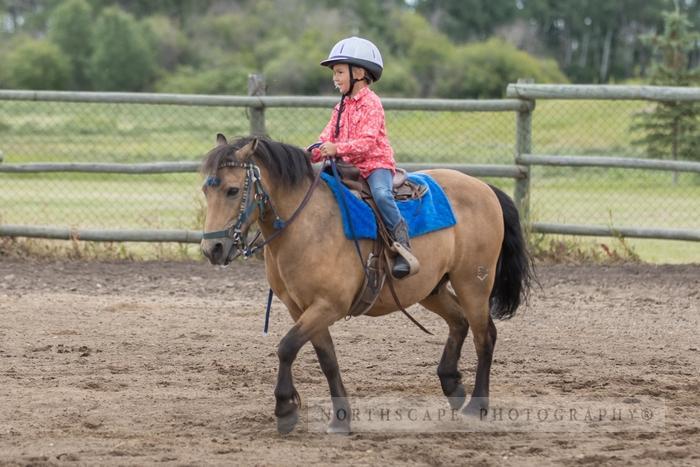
x=165 y=363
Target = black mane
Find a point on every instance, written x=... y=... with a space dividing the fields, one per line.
x=286 y=164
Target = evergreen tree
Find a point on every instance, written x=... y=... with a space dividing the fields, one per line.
x=70 y=28
x=672 y=128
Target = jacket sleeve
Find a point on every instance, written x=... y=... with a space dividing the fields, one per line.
x=366 y=133
x=325 y=136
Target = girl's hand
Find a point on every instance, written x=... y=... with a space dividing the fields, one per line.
x=328 y=149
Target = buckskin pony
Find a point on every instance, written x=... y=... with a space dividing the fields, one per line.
x=315 y=270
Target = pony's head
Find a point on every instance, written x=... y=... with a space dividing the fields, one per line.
x=239 y=180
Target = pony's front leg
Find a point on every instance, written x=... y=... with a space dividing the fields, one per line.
x=313 y=320
x=323 y=345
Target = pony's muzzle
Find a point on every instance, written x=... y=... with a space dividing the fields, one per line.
x=217 y=251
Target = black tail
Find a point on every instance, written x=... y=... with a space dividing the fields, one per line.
x=515 y=271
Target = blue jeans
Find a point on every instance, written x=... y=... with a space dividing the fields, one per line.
x=380 y=183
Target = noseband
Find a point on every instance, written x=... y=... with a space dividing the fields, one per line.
x=254 y=196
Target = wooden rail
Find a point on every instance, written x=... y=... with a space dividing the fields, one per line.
x=610 y=162
x=476 y=170
x=602 y=92
x=521 y=100
x=101 y=235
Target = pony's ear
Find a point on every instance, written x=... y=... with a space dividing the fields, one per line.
x=221 y=139
x=247 y=151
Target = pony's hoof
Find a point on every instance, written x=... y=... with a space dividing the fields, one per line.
x=287 y=423
x=336 y=427
x=477 y=407
x=456 y=399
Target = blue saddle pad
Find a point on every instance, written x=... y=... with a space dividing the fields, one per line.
x=427 y=214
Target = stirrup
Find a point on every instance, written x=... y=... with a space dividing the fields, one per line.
x=398 y=270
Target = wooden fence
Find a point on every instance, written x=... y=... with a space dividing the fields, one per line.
x=521 y=100
x=524 y=158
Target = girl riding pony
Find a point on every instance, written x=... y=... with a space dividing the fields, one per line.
x=356 y=133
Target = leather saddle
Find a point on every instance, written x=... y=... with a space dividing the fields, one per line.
x=403 y=188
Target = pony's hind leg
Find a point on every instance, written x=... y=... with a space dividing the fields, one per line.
x=473 y=295
x=445 y=304
x=323 y=345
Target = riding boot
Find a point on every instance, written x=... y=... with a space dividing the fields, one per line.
x=405 y=264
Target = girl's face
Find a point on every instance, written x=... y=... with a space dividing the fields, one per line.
x=341 y=76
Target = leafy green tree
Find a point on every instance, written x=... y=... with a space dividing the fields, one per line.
x=123 y=59
x=425 y=49
x=295 y=68
x=70 y=28
x=179 y=10
x=168 y=42
x=25 y=16
x=462 y=20
x=671 y=129
x=594 y=40
x=37 y=64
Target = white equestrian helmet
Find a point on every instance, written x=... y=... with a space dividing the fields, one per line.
x=357 y=51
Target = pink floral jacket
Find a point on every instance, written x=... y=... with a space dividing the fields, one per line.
x=362 y=140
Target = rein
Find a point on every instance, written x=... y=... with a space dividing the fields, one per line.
x=260 y=200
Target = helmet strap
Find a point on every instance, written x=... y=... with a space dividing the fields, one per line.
x=341 y=107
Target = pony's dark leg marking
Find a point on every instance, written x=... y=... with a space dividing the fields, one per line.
x=473 y=296
x=312 y=323
x=479 y=403
x=323 y=345
x=445 y=304
x=287 y=397
x=448 y=372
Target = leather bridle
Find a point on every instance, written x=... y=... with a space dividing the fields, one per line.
x=254 y=197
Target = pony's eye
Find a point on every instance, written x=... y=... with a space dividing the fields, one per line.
x=232 y=192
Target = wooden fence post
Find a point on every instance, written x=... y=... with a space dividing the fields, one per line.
x=256 y=87
x=523 y=145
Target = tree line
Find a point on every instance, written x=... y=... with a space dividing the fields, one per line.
x=442 y=48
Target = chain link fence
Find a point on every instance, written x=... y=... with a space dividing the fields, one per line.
x=614 y=197
x=120 y=132
x=79 y=132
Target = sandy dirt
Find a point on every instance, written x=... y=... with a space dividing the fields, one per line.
x=165 y=363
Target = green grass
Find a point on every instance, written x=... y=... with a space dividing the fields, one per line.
x=67 y=132
x=166 y=201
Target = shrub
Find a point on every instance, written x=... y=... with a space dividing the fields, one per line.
x=483 y=70
x=223 y=80
x=37 y=64
x=398 y=79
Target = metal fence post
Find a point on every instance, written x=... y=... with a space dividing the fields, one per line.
x=523 y=145
x=256 y=87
